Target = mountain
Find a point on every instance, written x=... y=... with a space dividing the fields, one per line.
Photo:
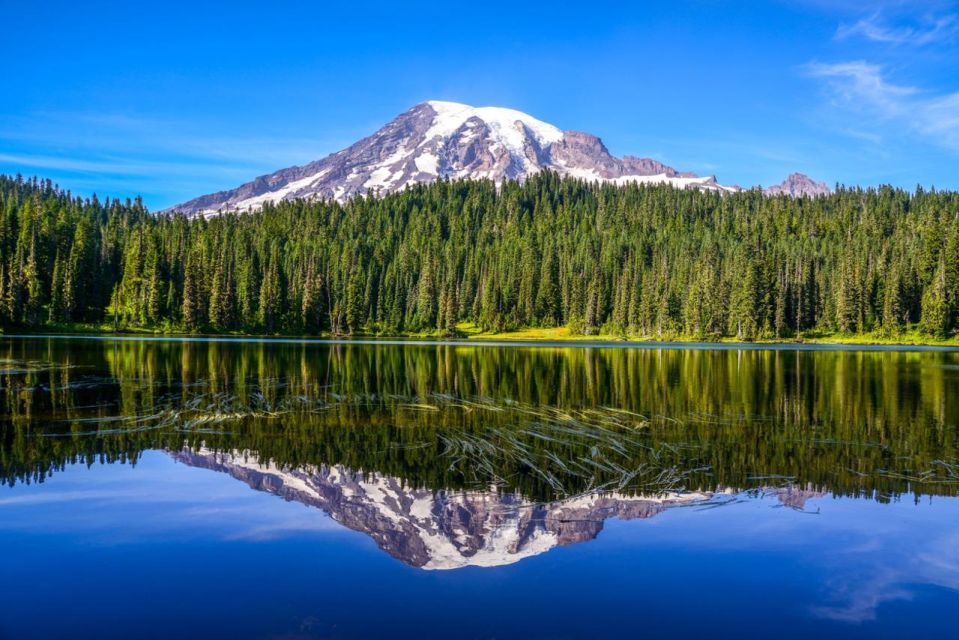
x=446 y=139
x=438 y=529
x=798 y=185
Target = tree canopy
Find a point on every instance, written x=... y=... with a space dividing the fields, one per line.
x=632 y=260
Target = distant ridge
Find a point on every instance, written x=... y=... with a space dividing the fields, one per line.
x=799 y=185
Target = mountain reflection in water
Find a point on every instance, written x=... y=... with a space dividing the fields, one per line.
x=819 y=485
x=451 y=529
x=451 y=456
x=547 y=423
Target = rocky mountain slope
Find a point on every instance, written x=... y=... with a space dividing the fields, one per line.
x=798 y=185
x=446 y=139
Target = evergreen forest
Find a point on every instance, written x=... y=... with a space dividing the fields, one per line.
x=643 y=261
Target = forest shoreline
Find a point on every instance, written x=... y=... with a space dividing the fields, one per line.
x=529 y=336
x=462 y=259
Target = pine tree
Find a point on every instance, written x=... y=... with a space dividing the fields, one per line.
x=951 y=260
x=153 y=286
x=447 y=310
x=893 y=304
x=115 y=307
x=192 y=318
x=33 y=288
x=594 y=301
x=745 y=297
x=935 y=312
x=70 y=305
x=5 y=316
x=355 y=312
x=270 y=294
x=452 y=306
x=310 y=309
x=847 y=300
x=56 y=313
x=222 y=295
x=81 y=281
x=576 y=314
x=547 y=303
x=426 y=295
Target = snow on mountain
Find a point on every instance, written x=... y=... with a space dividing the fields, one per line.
x=451 y=140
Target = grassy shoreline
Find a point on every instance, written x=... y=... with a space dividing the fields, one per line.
x=470 y=333
x=905 y=339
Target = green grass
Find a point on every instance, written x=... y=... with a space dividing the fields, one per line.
x=911 y=337
x=469 y=331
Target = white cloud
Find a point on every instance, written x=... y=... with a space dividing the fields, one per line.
x=857 y=596
x=165 y=161
x=129 y=166
x=860 y=82
x=874 y=28
x=132 y=137
x=863 y=95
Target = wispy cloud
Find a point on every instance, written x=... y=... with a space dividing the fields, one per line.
x=877 y=29
x=862 y=93
x=147 y=155
x=857 y=596
x=109 y=165
x=860 y=82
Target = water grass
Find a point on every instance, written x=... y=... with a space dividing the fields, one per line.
x=477 y=441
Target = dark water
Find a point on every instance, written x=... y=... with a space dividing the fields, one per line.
x=164 y=489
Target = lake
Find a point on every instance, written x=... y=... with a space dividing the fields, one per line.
x=308 y=489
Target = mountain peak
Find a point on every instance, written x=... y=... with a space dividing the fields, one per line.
x=799 y=185
x=439 y=139
x=451 y=115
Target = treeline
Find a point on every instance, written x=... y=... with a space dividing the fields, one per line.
x=623 y=260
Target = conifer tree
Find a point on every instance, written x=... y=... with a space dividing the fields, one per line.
x=270 y=295
x=892 y=306
x=56 y=313
x=33 y=288
x=547 y=293
x=951 y=260
x=192 y=318
x=935 y=311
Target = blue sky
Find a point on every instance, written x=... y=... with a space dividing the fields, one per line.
x=171 y=102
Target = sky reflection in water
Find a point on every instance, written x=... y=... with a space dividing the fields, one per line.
x=194 y=542
x=171 y=550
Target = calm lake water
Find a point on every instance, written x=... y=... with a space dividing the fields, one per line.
x=259 y=489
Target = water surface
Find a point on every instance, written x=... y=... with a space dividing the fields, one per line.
x=264 y=489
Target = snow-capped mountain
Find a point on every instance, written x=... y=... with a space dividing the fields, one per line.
x=797 y=185
x=446 y=139
x=449 y=529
